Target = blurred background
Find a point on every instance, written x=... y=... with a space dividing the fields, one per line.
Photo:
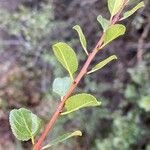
x=28 y=28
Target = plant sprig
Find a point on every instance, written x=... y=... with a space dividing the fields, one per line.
x=25 y=125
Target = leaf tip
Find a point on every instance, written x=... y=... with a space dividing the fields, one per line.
x=78 y=133
x=142 y=3
x=114 y=57
x=75 y=27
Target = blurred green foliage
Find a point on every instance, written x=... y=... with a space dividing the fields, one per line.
x=138 y=91
x=125 y=133
x=128 y=129
x=31 y=24
x=31 y=30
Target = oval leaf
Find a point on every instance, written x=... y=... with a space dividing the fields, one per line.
x=102 y=63
x=132 y=11
x=24 y=124
x=61 y=85
x=81 y=37
x=113 y=32
x=63 y=138
x=67 y=57
x=79 y=101
x=114 y=6
x=104 y=22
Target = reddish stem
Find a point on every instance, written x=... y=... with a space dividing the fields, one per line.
x=74 y=84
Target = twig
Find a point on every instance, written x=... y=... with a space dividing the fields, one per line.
x=74 y=84
x=71 y=89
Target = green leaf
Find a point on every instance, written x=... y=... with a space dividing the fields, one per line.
x=79 y=101
x=81 y=37
x=24 y=124
x=132 y=11
x=113 y=32
x=145 y=103
x=114 y=6
x=63 y=138
x=61 y=85
x=67 y=57
x=104 y=22
x=102 y=63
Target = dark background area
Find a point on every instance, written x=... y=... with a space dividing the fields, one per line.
x=29 y=28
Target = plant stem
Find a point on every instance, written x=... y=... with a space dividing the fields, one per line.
x=74 y=84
